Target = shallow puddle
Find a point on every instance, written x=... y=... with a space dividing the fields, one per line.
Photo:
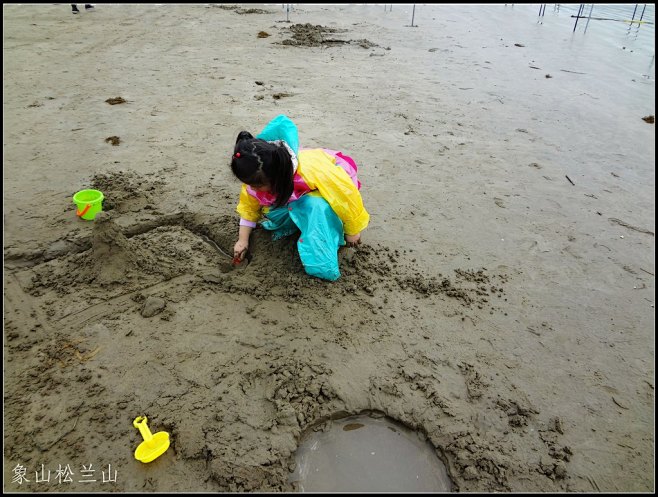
x=365 y=454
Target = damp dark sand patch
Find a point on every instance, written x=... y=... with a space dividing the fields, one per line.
x=279 y=96
x=309 y=35
x=116 y=100
x=239 y=10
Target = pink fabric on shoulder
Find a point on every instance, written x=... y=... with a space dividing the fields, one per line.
x=347 y=163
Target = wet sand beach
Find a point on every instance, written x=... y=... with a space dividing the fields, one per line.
x=501 y=303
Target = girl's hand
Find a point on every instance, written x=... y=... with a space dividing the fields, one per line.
x=353 y=240
x=240 y=249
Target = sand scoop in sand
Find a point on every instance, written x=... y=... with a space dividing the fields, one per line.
x=153 y=446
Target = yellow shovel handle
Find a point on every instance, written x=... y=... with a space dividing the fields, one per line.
x=140 y=424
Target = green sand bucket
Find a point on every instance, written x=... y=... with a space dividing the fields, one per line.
x=89 y=203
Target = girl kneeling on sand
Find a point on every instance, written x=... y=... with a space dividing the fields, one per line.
x=315 y=191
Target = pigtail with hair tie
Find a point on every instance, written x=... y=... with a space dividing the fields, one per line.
x=283 y=183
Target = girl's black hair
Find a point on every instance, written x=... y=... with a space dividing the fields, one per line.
x=257 y=162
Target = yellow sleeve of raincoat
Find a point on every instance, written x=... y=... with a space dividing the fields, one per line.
x=248 y=207
x=320 y=172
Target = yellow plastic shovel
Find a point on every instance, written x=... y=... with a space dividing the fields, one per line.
x=153 y=445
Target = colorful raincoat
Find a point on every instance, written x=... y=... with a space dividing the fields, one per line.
x=325 y=203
